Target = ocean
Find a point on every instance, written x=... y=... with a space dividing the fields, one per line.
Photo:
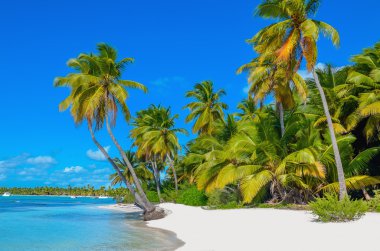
x=62 y=223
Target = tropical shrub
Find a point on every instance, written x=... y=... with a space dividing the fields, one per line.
x=229 y=205
x=191 y=196
x=374 y=203
x=330 y=209
x=221 y=197
x=152 y=196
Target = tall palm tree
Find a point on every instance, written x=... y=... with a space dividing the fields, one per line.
x=293 y=38
x=333 y=82
x=266 y=76
x=207 y=107
x=97 y=93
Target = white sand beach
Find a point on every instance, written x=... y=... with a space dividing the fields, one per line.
x=266 y=230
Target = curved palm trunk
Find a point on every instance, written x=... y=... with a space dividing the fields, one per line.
x=174 y=172
x=338 y=161
x=281 y=112
x=137 y=183
x=137 y=197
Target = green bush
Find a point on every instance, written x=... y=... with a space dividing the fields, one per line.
x=229 y=205
x=169 y=195
x=374 y=203
x=191 y=196
x=220 y=197
x=152 y=196
x=331 y=209
x=282 y=206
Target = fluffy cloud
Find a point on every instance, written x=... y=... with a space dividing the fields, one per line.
x=97 y=155
x=25 y=165
x=305 y=74
x=41 y=160
x=13 y=162
x=73 y=169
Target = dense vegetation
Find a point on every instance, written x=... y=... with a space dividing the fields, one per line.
x=75 y=191
x=292 y=140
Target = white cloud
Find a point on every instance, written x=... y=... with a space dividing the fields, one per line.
x=73 y=169
x=13 y=162
x=41 y=160
x=3 y=176
x=97 y=155
x=305 y=74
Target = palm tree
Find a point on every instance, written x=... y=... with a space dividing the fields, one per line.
x=293 y=38
x=333 y=82
x=247 y=109
x=207 y=107
x=268 y=77
x=156 y=137
x=257 y=159
x=97 y=92
x=364 y=80
x=140 y=168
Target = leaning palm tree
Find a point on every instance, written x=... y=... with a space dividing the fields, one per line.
x=97 y=93
x=293 y=38
x=207 y=107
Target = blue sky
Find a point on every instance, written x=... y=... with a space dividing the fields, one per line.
x=175 y=44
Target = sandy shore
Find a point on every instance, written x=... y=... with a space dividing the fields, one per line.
x=127 y=208
x=266 y=230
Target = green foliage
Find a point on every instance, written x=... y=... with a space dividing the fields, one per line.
x=76 y=191
x=282 y=206
x=374 y=203
x=331 y=209
x=222 y=197
x=152 y=196
x=191 y=196
x=229 y=205
x=169 y=195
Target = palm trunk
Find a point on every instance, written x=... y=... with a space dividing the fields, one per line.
x=156 y=174
x=281 y=112
x=174 y=172
x=366 y=195
x=137 y=197
x=338 y=161
x=140 y=190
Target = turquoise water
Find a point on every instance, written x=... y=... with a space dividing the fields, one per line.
x=61 y=223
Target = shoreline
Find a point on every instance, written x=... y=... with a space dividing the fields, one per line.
x=52 y=195
x=131 y=208
x=265 y=230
